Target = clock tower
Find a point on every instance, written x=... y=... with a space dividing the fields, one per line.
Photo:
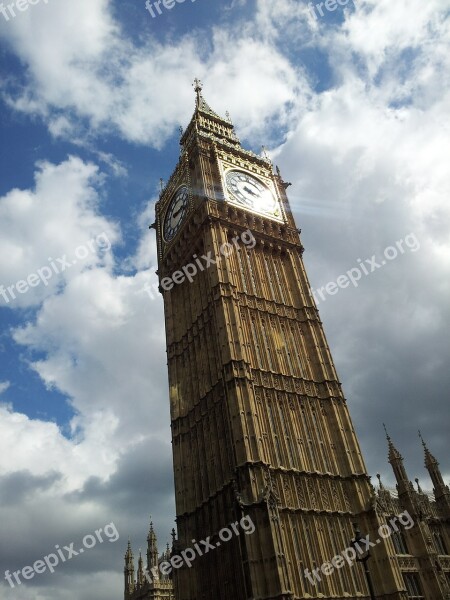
x=260 y=426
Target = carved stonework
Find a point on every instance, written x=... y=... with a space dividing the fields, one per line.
x=312 y=494
x=324 y=495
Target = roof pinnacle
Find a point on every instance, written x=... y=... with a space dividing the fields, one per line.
x=380 y=482
x=393 y=452
x=430 y=460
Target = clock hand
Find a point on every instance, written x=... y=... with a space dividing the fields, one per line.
x=249 y=191
x=175 y=214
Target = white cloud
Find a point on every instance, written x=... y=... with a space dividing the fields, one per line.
x=368 y=161
x=90 y=73
x=4 y=385
x=39 y=227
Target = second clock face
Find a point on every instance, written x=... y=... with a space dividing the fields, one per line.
x=176 y=212
x=251 y=193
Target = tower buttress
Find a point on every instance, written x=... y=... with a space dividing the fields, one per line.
x=441 y=491
x=129 y=571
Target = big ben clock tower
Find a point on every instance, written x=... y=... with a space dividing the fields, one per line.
x=260 y=426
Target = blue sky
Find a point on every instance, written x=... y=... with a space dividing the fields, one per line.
x=352 y=108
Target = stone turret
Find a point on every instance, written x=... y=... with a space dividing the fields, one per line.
x=441 y=491
x=129 y=571
x=152 y=553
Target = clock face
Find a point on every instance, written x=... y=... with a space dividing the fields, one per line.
x=251 y=193
x=176 y=212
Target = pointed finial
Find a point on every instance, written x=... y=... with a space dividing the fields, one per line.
x=129 y=552
x=422 y=440
x=380 y=482
x=394 y=454
x=227 y=115
x=181 y=130
x=264 y=153
x=161 y=184
x=430 y=460
x=198 y=86
x=174 y=535
x=419 y=489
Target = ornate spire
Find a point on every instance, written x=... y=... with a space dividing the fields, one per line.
x=430 y=461
x=129 y=553
x=419 y=489
x=394 y=454
x=441 y=491
x=140 y=570
x=152 y=548
x=198 y=86
x=380 y=483
x=396 y=461
x=151 y=532
x=206 y=122
x=129 y=570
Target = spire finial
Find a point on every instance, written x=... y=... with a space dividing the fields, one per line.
x=394 y=454
x=423 y=441
x=380 y=482
x=198 y=86
x=419 y=489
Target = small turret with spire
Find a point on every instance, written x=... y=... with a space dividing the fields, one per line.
x=140 y=571
x=152 y=552
x=441 y=491
x=129 y=571
x=396 y=461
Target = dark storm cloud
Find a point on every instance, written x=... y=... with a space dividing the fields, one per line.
x=17 y=487
x=388 y=336
x=141 y=486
